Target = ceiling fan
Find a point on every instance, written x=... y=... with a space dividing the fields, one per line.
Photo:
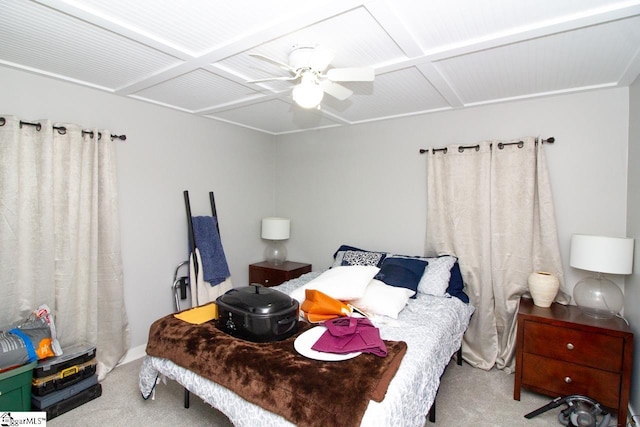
x=307 y=64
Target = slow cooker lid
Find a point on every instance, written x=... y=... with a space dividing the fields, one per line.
x=257 y=299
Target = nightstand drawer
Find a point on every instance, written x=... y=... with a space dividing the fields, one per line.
x=267 y=277
x=266 y=274
x=558 y=378
x=575 y=346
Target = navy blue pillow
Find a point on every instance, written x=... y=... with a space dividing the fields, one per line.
x=456 y=284
x=402 y=272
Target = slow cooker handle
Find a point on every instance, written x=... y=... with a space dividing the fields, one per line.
x=285 y=325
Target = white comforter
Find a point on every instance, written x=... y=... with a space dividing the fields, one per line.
x=431 y=326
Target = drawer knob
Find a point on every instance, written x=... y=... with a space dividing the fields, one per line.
x=570 y=346
x=568 y=380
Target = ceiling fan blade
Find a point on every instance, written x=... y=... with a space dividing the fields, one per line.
x=334 y=89
x=351 y=74
x=321 y=58
x=270 y=79
x=273 y=61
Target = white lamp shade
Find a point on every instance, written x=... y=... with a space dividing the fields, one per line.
x=275 y=228
x=611 y=255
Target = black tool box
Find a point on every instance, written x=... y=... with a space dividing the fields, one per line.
x=55 y=373
x=93 y=392
x=50 y=399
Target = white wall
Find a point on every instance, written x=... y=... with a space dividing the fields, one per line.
x=632 y=288
x=365 y=185
x=166 y=152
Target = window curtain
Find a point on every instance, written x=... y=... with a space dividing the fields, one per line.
x=491 y=206
x=60 y=243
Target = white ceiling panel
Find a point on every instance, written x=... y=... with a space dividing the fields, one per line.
x=276 y=117
x=209 y=23
x=196 y=90
x=401 y=92
x=427 y=55
x=593 y=56
x=59 y=44
x=354 y=36
x=438 y=23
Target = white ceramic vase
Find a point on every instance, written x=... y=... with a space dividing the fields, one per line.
x=543 y=287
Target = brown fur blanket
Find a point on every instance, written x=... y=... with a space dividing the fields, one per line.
x=274 y=376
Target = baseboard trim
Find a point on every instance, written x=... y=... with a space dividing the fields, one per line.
x=134 y=353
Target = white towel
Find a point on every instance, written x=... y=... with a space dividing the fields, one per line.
x=201 y=291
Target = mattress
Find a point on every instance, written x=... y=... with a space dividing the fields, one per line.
x=431 y=326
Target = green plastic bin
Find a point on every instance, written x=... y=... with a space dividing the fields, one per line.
x=15 y=388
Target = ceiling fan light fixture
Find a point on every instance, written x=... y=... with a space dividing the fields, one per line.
x=309 y=93
x=307 y=63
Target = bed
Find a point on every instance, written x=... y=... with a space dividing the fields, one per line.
x=431 y=324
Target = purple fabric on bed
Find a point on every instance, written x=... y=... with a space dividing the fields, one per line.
x=350 y=335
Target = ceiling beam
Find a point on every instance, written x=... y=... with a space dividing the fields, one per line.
x=632 y=72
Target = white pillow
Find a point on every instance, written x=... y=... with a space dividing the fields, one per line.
x=385 y=300
x=344 y=283
x=435 y=279
x=338 y=261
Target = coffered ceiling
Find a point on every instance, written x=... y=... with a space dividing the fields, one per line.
x=428 y=55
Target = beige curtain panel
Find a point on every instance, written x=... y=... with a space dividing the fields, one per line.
x=60 y=244
x=492 y=207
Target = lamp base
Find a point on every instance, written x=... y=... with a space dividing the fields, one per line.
x=275 y=253
x=598 y=297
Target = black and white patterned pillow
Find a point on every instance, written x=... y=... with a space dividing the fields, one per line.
x=363 y=258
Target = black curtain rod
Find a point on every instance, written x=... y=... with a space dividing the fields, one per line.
x=63 y=130
x=501 y=145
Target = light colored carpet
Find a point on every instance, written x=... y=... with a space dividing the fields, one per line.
x=467 y=397
x=122 y=405
x=470 y=396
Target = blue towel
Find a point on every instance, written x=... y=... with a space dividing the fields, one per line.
x=207 y=239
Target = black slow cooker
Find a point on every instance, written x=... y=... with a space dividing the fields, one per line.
x=258 y=314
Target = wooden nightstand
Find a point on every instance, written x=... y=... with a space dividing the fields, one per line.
x=560 y=351
x=267 y=274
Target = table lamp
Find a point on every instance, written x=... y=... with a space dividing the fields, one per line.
x=275 y=230
x=596 y=295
